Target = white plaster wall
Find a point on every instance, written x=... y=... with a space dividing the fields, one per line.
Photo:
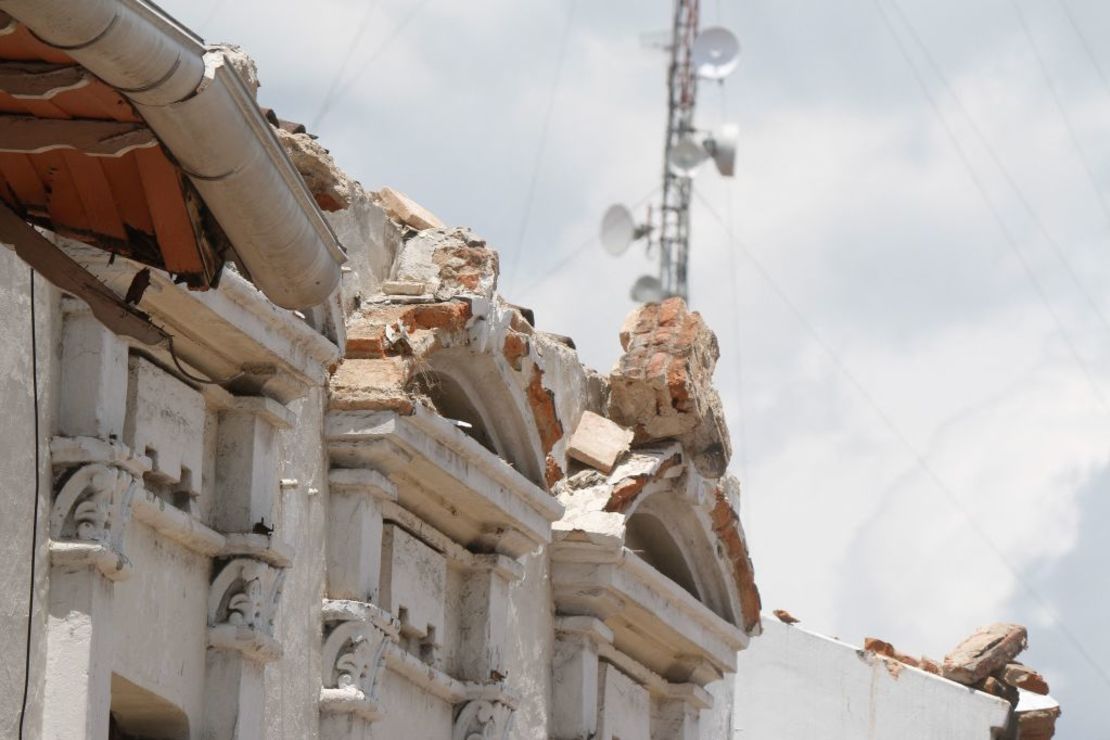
x=411 y=712
x=160 y=621
x=17 y=472
x=796 y=685
x=531 y=646
x=716 y=722
x=293 y=682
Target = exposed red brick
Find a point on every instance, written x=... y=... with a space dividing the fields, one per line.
x=469 y=267
x=662 y=385
x=1023 y=677
x=515 y=349
x=452 y=315
x=552 y=472
x=880 y=647
x=1039 y=724
x=626 y=491
x=542 y=402
x=726 y=524
x=785 y=617
x=984 y=652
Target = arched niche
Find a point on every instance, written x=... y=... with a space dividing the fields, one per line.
x=676 y=538
x=474 y=388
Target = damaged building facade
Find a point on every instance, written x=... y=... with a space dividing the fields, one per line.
x=282 y=463
x=337 y=487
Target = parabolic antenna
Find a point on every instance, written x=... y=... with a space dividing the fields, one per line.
x=721 y=145
x=716 y=53
x=647 y=289
x=618 y=230
x=686 y=156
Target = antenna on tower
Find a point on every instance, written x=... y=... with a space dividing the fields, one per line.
x=711 y=54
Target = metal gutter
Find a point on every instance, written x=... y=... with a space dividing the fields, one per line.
x=210 y=122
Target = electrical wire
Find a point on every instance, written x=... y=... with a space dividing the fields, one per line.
x=189 y=376
x=984 y=141
x=1086 y=46
x=570 y=256
x=1084 y=160
x=35 y=509
x=367 y=64
x=996 y=215
x=895 y=431
x=363 y=25
x=738 y=364
x=545 y=127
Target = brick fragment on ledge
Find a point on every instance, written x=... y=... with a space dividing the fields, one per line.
x=984 y=652
x=662 y=385
x=404 y=209
x=1023 y=677
x=598 y=442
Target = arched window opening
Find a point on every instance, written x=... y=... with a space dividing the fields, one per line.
x=138 y=714
x=649 y=538
x=451 y=401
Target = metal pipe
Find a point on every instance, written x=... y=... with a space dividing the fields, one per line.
x=204 y=114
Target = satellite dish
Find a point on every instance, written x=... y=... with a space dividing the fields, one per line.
x=647 y=289
x=686 y=156
x=618 y=230
x=716 y=53
x=721 y=145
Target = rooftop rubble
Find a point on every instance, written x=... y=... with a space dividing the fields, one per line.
x=625 y=432
x=985 y=661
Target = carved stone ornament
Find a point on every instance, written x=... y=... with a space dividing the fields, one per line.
x=89 y=517
x=353 y=658
x=242 y=604
x=482 y=719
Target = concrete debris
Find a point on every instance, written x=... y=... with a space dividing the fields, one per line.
x=987 y=650
x=407 y=211
x=1023 y=677
x=403 y=287
x=243 y=65
x=330 y=186
x=880 y=647
x=598 y=442
x=662 y=385
x=1038 y=724
x=449 y=262
x=785 y=617
x=372 y=385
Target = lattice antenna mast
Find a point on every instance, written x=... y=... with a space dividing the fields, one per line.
x=672 y=238
x=710 y=54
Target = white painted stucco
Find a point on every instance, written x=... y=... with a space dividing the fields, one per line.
x=796 y=685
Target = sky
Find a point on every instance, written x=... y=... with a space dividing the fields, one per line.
x=908 y=273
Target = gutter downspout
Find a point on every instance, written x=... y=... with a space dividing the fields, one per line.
x=208 y=119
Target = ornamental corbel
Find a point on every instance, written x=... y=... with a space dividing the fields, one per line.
x=242 y=604
x=353 y=658
x=482 y=719
x=88 y=519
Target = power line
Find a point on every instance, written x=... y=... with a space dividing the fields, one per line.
x=996 y=215
x=35 y=509
x=1084 y=160
x=572 y=255
x=394 y=34
x=1086 y=46
x=530 y=194
x=363 y=25
x=738 y=364
x=919 y=459
x=984 y=141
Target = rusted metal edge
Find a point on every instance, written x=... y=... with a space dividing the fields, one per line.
x=60 y=269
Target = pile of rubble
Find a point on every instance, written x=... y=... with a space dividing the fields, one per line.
x=985 y=661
